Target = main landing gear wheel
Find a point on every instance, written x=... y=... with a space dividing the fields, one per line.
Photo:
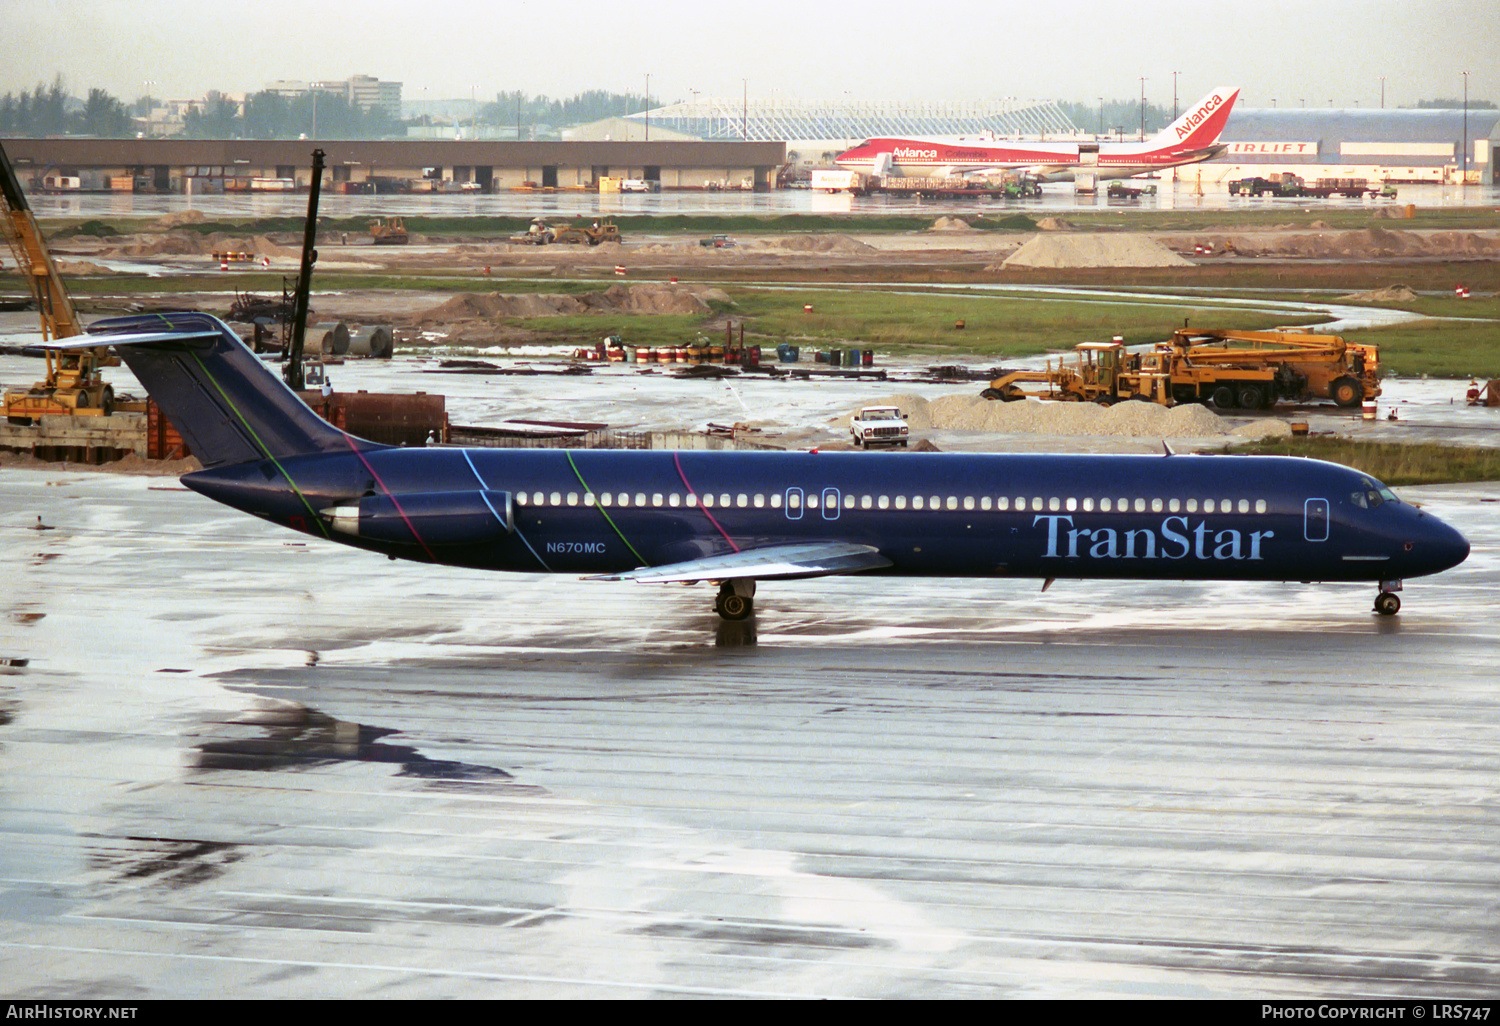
x=736 y=600
x=1387 y=603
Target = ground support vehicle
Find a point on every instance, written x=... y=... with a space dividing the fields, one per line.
x=1121 y=191
x=1287 y=184
x=875 y=426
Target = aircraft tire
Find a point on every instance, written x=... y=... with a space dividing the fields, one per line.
x=734 y=607
x=1387 y=603
x=1345 y=392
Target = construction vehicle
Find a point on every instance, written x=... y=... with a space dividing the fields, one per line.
x=1108 y=372
x=599 y=231
x=388 y=231
x=537 y=234
x=1307 y=366
x=1230 y=369
x=73 y=384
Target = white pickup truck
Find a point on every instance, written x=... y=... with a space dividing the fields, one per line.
x=879 y=425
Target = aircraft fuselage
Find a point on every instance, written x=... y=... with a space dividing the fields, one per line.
x=1044 y=516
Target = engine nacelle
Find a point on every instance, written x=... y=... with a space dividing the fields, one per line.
x=427 y=518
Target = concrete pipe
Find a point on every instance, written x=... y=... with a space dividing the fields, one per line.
x=334 y=336
x=374 y=341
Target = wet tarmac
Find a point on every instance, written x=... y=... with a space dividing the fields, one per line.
x=236 y=764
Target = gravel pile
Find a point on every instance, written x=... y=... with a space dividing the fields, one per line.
x=961 y=411
x=1091 y=250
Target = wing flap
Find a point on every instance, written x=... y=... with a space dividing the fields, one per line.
x=811 y=559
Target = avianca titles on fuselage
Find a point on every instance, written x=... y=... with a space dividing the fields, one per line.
x=735 y=518
x=1191 y=138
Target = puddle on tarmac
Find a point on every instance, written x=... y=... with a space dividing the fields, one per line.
x=278 y=735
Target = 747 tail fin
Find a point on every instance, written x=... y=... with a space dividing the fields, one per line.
x=1202 y=124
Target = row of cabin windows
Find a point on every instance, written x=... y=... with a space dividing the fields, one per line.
x=795 y=500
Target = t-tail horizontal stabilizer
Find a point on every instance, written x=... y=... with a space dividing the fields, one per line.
x=229 y=406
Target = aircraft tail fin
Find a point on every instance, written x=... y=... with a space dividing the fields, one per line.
x=1202 y=124
x=228 y=405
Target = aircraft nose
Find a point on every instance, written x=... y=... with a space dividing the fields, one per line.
x=1438 y=546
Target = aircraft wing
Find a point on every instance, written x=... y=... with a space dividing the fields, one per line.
x=809 y=559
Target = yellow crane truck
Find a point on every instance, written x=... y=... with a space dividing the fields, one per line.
x=1307 y=366
x=1230 y=369
x=73 y=385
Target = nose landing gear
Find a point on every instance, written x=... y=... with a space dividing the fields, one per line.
x=1388 y=603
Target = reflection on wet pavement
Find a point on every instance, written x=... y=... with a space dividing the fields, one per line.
x=231 y=767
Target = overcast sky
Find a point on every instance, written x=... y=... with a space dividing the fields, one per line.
x=1308 y=51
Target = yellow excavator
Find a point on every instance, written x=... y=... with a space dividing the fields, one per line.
x=73 y=385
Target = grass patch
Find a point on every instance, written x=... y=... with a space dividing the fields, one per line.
x=1438 y=349
x=1008 y=325
x=1416 y=464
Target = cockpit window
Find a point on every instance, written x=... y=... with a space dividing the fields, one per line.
x=1372 y=495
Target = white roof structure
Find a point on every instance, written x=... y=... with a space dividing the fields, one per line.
x=793 y=120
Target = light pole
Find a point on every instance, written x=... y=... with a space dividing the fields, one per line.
x=648 y=106
x=1464 y=166
x=1143 y=108
x=1101 y=116
x=151 y=82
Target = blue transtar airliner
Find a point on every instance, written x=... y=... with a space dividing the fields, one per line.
x=735 y=518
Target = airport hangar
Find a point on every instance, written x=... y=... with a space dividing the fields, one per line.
x=1382 y=145
x=214 y=165
x=723 y=145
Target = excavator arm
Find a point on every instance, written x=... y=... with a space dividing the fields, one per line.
x=59 y=319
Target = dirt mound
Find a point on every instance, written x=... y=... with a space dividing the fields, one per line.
x=1093 y=251
x=167 y=222
x=635 y=299
x=1054 y=224
x=1366 y=243
x=80 y=267
x=950 y=224
x=1389 y=294
x=193 y=244
x=823 y=244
